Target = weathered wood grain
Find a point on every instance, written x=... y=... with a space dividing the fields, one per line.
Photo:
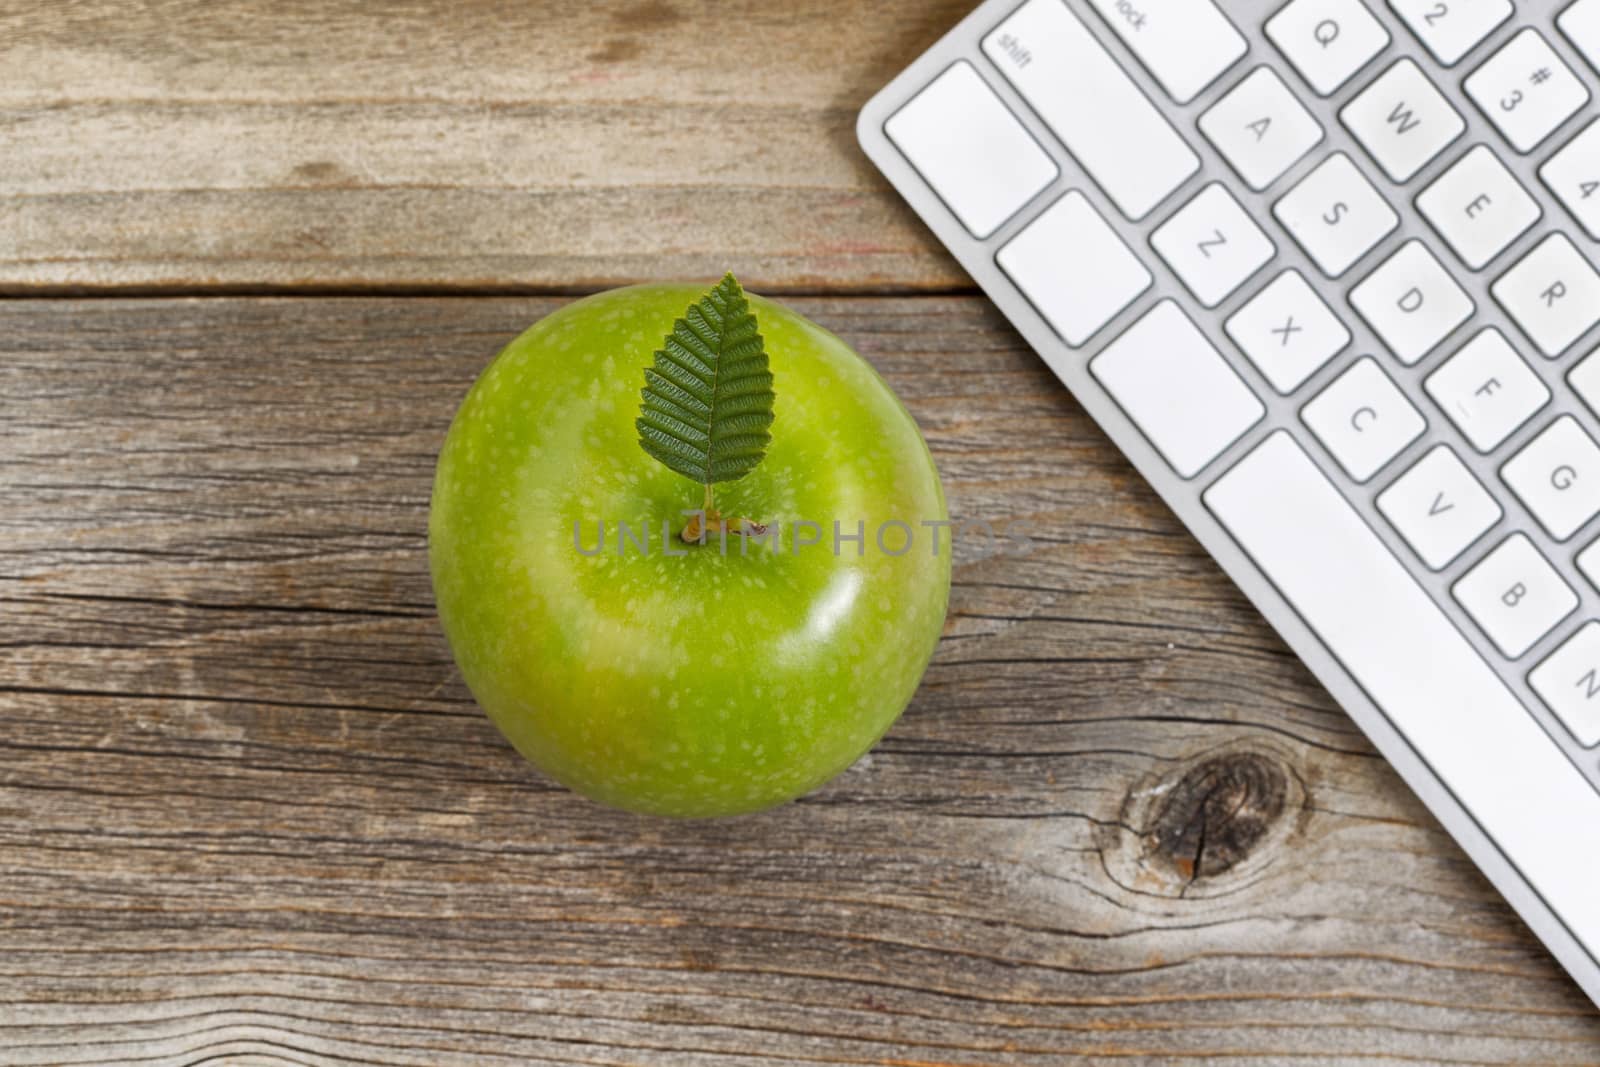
x=249 y=815
x=476 y=145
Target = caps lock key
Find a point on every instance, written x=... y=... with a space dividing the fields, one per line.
x=1185 y=44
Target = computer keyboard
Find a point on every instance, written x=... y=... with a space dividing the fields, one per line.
x=1323 y=269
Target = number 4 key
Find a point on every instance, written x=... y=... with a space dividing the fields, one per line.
x=1573 y=174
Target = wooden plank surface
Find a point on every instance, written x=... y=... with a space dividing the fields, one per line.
x=249 y=814
x=475 y=144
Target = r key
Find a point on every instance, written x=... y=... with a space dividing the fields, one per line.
x=1553 y=293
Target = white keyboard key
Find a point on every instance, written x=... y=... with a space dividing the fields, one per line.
x=1452 y=28
x=1568 y=681
x=1185 y=44
x=969 y=147
x=1439 y=507
x=1589 y=563
x=1526 y=90
x=1327 y=41
x=1412 y=662
x=1261 y=129
x=1363 y=419
x=1479 y=207
x=1088 y=100
x=1487 y=390
x=1553 y=294
x=1073 y=268
x=1581 y=23
x=1573 y=174
x=1177 y=389
x=1585 y=380
x=1412 y=302
x=1336 y=215
x=1403 y=120
x=1212 y=245
x=1557 y=476
x=1287 y=331
x=1515 y=596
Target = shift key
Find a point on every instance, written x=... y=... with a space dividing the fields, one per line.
x=1089 y=102
x=1185 y=44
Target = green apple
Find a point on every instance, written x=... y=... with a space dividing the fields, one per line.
x=669 y=677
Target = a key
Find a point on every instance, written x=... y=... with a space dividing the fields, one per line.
x=1515 y=596
x=1073 y=268
x=1177 y=389
x=1336 y=215
x=1120 y=138
x=1261 y=129
x=1573 y=174
x=1478 y=207
x=1403 y=120
x=1363 y=419
x=1581 y=23
x=1439 y=507
x=1327 y=41
x=968 y=146
x=1526 y=90
x=1186 y=46
x=1287 y=332
x=1552 y=293
x=1412 y=302
x=1568 y=681
x=1487 y=390
x=1412 y=661
x=1557 y=476
x=1212 y=245
x=1452 y=28
x=1585 y=380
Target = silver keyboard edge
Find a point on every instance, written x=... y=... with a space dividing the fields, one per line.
x=1183 y=496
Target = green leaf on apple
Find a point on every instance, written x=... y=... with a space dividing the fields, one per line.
x=708 y=399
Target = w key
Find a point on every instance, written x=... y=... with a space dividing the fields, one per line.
x=1403 y=120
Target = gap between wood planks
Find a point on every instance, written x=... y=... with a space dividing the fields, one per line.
x=400 y=291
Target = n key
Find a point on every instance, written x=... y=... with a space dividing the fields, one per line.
x=1568 y=681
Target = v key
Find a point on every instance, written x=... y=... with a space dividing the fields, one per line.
x=1439 y=507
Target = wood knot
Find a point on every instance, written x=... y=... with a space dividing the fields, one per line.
x=1216 y=814
x=1187 y=830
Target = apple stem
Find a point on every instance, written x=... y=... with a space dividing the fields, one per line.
x=708 y=518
